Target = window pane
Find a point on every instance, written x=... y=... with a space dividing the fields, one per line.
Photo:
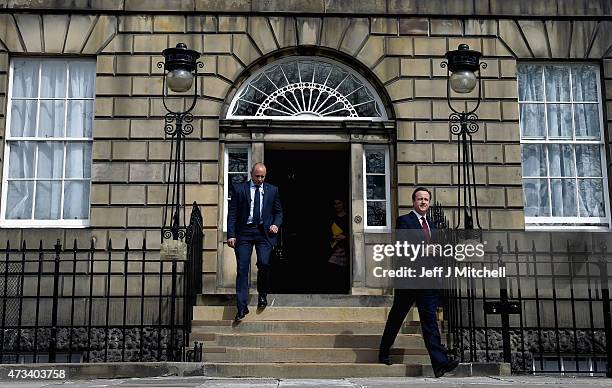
x=559 y=120
x=584 y=83
x=50 y=159
x=530 y=82
x=78 y=160
x=377 y=213
x=557 y=82
x=51 y=121
x=19 y=201
x=532 y=124
x=21 y=159
x=235 y=179
x=80 y=119
x=375 y=187
x=563 y=197
x=48 y=200
x=591 y=198
x=76 y=200
x=561 y=160
x=53 y=79
x=586 y=120
x=25 y=78
x=82 y=75
x=23 y=118
x=238 y=161
x=534 y=160
x=536 y=198
x=588 y=160
x=375 y=162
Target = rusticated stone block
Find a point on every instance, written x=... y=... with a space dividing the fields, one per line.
x=136 y=107
x=356 y=34
x=103 y=107
x=217 y=44
x=406 y=174
x=505 y=175
x=146 y=172
x=308 y=30
x=113 y=85
x=150 y=43
x=144 y=217
x=414 y=152
x=128 y=194
x=372 y=51
x=201 y=24
x=30 y=27
x=109 y=172
x=159 y=5
x=129 y=150
x=419 y=109
x=446 y=27
x=413 y=26
x=232 y=24
x=114 y=128
x=101 y=150
x=400 y=89
x=388 y=69
x=405 y=130
x=433 y=175
x=262 y=35
x=432 y=131
x=150 y=128
x=429 y=46
x=244 y=49
x=136 y=23
x=384 y=26
x=284 y=30
x=54 y=32
x=99 y=194
x=209 y=173
x=104 y=30
x=223 y=5
x=202 y=194
x=132 y=64
x=429 y=88
x=333 y=30
x=169 y=23
x=147 y=85
x=78 y=30
x=399 y=46
x=507 y=219
x=105 y=64
x=480 y=27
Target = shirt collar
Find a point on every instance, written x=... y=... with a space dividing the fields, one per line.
x=252 y=185
x=418 y=215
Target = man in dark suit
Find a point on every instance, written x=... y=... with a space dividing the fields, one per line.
x=253 y=218
x=426 y=300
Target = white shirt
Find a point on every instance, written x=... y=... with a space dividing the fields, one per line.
x=261 y=194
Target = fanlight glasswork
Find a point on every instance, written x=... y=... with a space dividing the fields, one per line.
x=307 y=88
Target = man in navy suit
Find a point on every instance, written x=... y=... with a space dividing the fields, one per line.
x=253 y=218
x=426 y=300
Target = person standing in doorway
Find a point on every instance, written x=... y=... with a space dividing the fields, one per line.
x=338 y=262
x=426 y=300
x=254 y=216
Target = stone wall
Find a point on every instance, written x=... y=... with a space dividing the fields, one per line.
x=398 y=43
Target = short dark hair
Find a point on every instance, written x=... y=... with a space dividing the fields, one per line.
x=420 y=189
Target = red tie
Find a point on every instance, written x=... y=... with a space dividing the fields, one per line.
x=425 y=229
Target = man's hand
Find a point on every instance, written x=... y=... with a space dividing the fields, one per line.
x=273 y=229
x=231 y=242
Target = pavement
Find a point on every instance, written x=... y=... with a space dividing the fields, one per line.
x=388 y=382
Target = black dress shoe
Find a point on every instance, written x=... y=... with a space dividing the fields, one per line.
x=449 y=366
x=262 y=301
x=241 y=314
x=384 y=359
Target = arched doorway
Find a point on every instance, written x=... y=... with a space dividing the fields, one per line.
x=313 y=120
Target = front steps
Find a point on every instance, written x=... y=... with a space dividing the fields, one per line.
x=319 y=336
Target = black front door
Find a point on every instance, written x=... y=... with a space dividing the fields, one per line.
x=309 y=181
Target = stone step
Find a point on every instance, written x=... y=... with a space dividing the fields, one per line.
x=293 y=300
x=273 y=340
x=363 y=314
x=313 y=370
x=299 y=327
x=310 y=355
x=293 y=327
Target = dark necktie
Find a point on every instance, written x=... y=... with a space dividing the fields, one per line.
x=257 y=207
x=425 y=229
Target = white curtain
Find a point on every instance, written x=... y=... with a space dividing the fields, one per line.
x=55 y=121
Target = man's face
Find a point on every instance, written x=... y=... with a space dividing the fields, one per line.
x=258 y=175
x=421 y=202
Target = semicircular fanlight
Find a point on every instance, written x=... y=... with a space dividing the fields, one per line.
x=307 y=88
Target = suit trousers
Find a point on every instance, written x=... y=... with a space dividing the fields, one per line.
x=427 y=303
x=247 y=239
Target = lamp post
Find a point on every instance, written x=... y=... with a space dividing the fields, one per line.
x=463 y=75
x=180 y=72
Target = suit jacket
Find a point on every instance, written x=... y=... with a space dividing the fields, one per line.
x=240 y=207
x=411 y=221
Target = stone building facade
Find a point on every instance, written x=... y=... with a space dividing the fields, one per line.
x=395 y=47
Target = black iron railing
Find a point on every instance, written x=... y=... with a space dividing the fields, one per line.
x=83 y=304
